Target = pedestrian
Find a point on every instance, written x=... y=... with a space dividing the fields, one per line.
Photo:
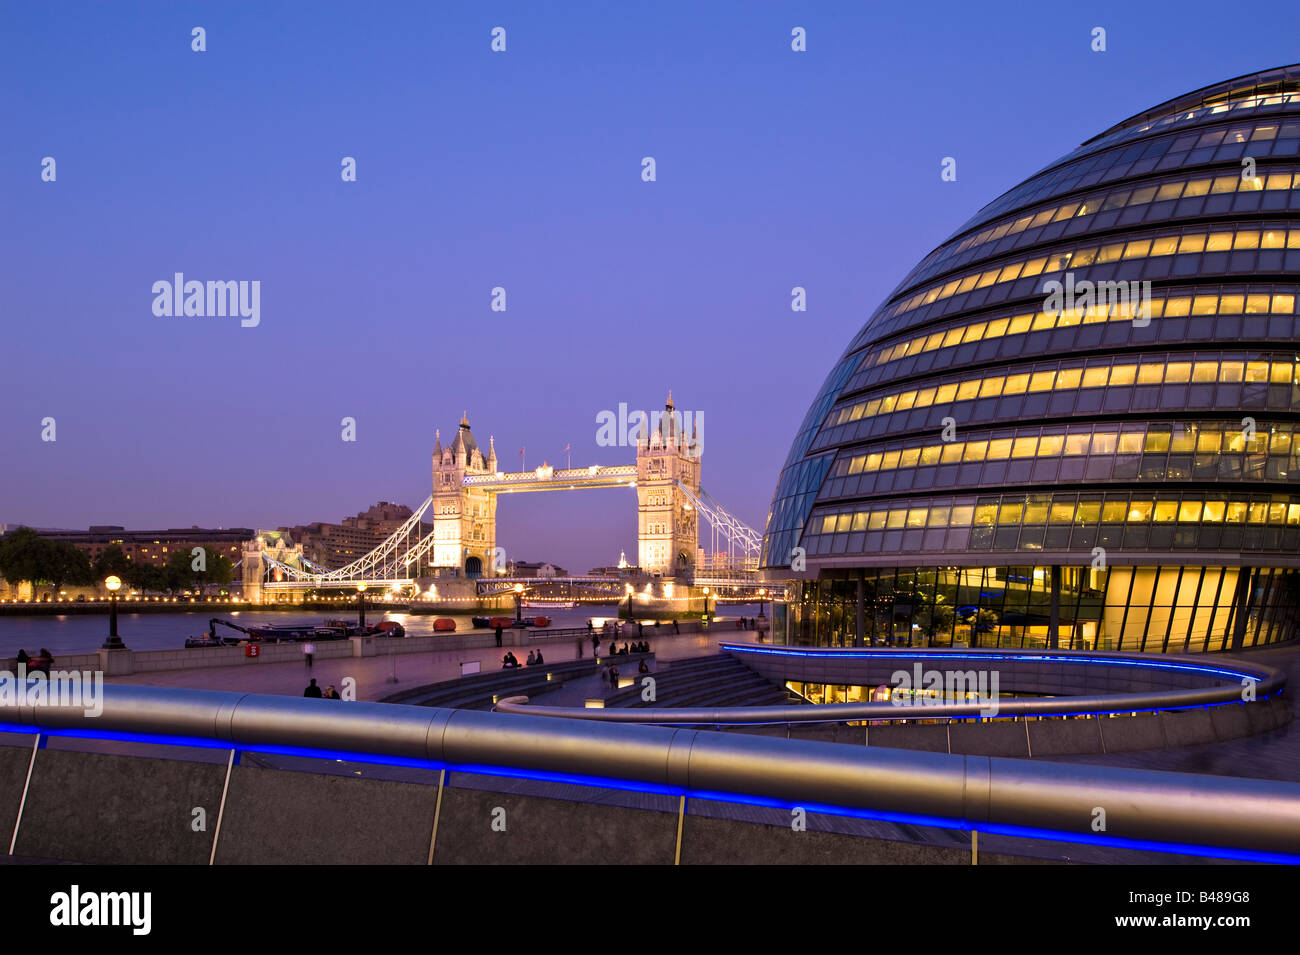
x=640 y=629
x=675 y=630
x=577 y=644
x=590 y=628
x=312 y=690
x=539 y=660
x=309 y=653
x=331 y=693
x=498 y=634
x=532 y=659
x=595 y=644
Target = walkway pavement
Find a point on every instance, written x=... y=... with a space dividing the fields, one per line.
x=374 y=675
x=1273 y=755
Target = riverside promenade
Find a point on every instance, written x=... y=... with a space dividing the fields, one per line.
x=373 y=675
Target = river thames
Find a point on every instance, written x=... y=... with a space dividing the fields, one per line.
x=67 y=634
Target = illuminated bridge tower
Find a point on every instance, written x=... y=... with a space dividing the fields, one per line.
x=464 y=518
x=667 y=525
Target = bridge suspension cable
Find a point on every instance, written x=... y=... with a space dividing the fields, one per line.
x=391 y=560
x=742 y=541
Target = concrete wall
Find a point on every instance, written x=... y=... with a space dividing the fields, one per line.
x=89 y=807
x=1043 y=738
x=114 y=809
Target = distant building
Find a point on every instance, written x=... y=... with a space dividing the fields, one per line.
x=622 y=569
x=335 y=545
x=155 y=547
x=527 y=568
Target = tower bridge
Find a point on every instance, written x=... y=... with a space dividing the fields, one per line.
x=449 y=544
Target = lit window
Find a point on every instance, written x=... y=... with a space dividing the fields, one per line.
x=1165 y=511
x=1113 y=512
x=1042 y=381
x=1103 y=442
x=1015 y=385
x=1068 y=378
x=1062 y=513
x=1139 y=512
x=1122 y=374
x=1095 y=377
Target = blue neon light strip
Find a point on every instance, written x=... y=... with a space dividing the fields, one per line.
x=1218 y=852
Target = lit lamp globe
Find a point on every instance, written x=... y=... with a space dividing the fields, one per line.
x=113 y=584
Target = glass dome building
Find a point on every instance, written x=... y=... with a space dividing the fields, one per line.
x=1074 y=423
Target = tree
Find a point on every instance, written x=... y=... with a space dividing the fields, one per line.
x=112 y=562
x=144 y=577
x=66 y=563
x=220 y=570
x=22 y=556
x=178 y=574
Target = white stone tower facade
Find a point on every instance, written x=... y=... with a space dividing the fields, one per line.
x=667 y=524
x=464 y=519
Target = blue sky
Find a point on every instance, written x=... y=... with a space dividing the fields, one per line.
x=479 y=169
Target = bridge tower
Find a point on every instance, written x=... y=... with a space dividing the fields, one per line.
x=464 y=518
x=667 y=525
x=278 y=546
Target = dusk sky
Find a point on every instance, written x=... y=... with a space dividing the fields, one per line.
x=519 y=169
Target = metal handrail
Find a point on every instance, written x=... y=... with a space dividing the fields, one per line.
x=1168 y=811
x=1268 y=681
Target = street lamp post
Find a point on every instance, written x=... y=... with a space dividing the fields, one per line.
x=519 y=605
x=114 y=642
x=628 y=587
x=706 y=604
x=762 y=603
x=361 y=606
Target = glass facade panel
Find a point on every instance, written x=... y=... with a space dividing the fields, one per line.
x=1115 y=340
